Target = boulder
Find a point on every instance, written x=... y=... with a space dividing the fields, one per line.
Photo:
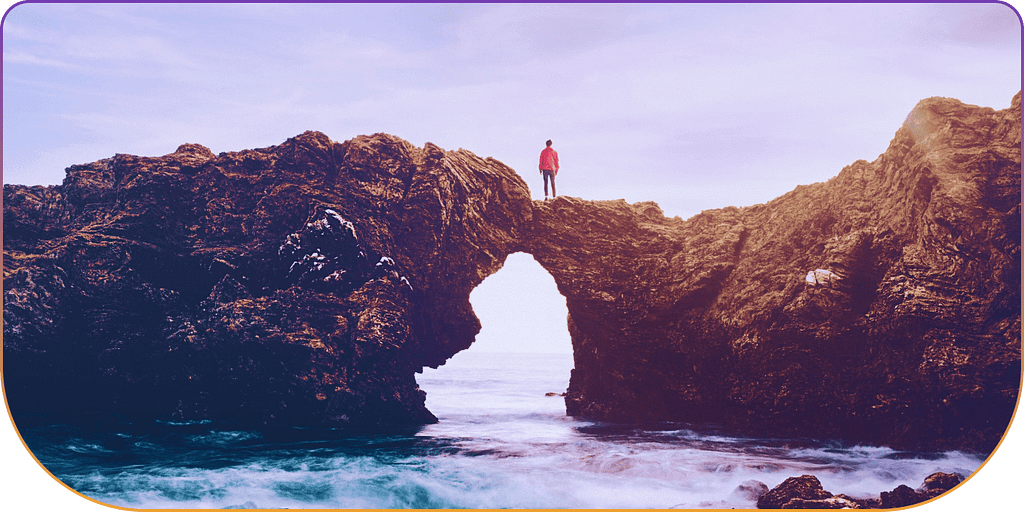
x=806 y=492
x=795 y=492
x=751 y=490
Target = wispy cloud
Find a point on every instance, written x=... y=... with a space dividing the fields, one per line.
x=648 y=91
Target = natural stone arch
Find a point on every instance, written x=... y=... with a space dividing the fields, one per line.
x=914 y=341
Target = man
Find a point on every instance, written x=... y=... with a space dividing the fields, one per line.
x=549 y=168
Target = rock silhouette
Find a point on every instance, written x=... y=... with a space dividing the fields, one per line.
x=306 y=283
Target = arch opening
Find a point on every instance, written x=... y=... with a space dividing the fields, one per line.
x=522 y=357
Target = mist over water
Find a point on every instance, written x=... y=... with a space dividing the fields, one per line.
x=500 y=443
x=579 y=464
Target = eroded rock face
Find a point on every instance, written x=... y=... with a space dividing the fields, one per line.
x=882 y=306
x=301 y=284
x=306 y=283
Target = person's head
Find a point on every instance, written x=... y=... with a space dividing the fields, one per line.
x=548 y=143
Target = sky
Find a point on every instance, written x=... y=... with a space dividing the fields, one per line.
x=693 y=106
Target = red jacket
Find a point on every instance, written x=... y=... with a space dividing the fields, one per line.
x=549 y=160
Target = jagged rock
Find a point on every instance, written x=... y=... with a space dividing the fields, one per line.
x=806 y=492
x=901 y=496
x=934 y=485
x=306 y=283
x=301 y=284
x=938 y=483
x=796 y=491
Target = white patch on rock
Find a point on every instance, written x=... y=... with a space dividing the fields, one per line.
x=341 y=220
x=821 y=276
x=293 y=240
x=335 y=276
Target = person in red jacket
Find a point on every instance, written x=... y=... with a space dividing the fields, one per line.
x=549 y=168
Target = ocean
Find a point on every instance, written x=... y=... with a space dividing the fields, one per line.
x=503 y=441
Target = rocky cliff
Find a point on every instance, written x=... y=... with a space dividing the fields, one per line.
x=301 y=284
x=881 y=306
x=305 y=283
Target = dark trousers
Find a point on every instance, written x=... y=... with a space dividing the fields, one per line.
x=549 y=174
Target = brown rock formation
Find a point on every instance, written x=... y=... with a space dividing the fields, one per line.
x=880 y=306
x=935 y=485
x=305 y=283
x=801 y=492
x=806 y=492
x=301 y=284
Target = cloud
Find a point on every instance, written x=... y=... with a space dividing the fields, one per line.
x=24 y=57
x=655 y=92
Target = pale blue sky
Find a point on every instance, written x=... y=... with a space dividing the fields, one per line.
x=694 y=106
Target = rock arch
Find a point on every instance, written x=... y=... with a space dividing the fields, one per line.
x=306 y=283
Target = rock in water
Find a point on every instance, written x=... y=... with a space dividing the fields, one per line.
x=751 y=490
x=801 y=489
x=302 y=284
x=882 y=306
x=806 y=492
x=306 y=283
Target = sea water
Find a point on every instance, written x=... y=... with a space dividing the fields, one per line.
x=503 y=441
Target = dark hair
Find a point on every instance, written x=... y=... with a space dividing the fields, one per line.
x=548 y=143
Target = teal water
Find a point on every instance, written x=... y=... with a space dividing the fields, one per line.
x=500 y=443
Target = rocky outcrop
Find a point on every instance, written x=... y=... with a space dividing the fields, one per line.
x=306 y=283
x=302 y=284
x=801 y=492
x=882 y=306
x=806 y=492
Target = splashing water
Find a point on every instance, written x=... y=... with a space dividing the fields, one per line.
x=501 y=443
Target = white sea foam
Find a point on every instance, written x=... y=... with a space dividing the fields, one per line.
x=500 y=443
x=497 y=403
